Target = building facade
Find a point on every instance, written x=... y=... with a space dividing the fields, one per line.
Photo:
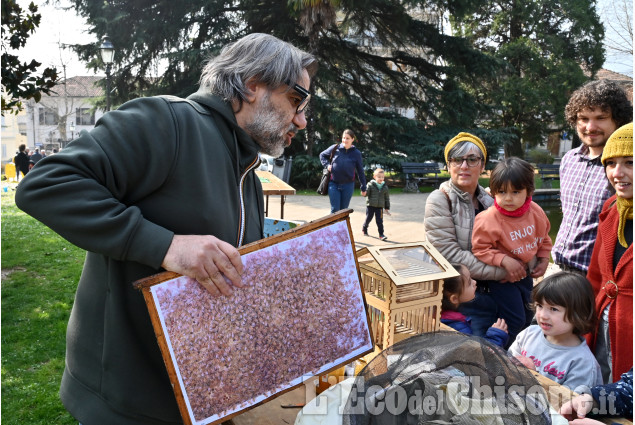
x=13 y=134
x=59 y=117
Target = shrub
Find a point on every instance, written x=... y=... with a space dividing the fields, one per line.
x=540 y=156
x=306 y=172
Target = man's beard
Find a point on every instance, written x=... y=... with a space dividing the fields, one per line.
x=597 y=143
x=268 y=129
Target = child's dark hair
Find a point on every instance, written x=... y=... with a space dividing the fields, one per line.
x=573 y=292
x=514 y=171
x=452 y=286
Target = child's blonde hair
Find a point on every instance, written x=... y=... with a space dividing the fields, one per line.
x=573 y=292
x=377 y=171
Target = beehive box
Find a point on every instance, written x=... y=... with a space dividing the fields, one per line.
x=403 y=284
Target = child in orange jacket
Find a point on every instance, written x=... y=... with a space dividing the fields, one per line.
x=513 y=234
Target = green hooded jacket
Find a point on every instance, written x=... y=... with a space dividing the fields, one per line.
x=153 y=168
x=376 y=197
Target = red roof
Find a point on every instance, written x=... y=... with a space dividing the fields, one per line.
x=605 y=74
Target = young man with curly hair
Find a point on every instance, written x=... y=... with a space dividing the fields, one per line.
x=595 y=110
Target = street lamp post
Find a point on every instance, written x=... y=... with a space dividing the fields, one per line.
x=107 y=55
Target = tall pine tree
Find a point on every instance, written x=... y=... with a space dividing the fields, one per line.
x=548 y=46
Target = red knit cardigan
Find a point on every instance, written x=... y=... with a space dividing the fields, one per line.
x=618 y=295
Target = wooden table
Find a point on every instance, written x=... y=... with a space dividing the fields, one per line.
x=272 y=185
x=272 y=412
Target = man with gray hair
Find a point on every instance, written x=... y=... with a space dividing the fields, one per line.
x=185 y=209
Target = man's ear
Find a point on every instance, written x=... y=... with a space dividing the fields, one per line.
x=252 y=88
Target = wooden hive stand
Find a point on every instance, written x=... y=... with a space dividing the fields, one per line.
x=403 y=286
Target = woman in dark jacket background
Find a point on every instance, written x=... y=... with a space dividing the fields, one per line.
x=347 y=161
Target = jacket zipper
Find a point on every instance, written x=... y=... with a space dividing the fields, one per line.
x=241 y=230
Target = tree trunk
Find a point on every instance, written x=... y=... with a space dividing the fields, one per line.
x=310 y=127
x=515 y=147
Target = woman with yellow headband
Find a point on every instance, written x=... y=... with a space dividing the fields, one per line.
x=449 y=219
x=611 y=268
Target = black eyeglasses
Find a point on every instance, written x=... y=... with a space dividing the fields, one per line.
x=305 y=96
x=472 y=161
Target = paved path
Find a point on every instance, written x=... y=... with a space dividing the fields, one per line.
x=404 y=225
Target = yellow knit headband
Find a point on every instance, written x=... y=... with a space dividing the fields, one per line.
x=465 y=137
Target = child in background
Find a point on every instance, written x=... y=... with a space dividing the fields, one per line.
x=513 y=234
x=565 y=310
x=461 y=289
x=377 y=200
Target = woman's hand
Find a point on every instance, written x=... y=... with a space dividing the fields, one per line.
x=514 y=268
x=329 y=168
x=363 y=193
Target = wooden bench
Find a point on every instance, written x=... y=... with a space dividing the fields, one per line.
x=430 y=175
x=548 y=173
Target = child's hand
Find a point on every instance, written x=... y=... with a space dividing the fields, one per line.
x=500 y=324
x=527 y=362
x=578 y=407
x=541 y=267
x=387 y=212
x=514 y=268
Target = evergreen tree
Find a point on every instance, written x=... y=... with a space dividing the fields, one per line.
x=379 y=58
x=316 y=17
x=548 y=47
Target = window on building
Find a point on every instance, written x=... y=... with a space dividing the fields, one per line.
x=48 y=116
x=84 y=116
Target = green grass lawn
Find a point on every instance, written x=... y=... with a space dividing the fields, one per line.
x=40 y=271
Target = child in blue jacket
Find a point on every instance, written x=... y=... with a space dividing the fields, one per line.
x=461 y=289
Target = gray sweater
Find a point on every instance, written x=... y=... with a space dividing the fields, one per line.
x=573 y=367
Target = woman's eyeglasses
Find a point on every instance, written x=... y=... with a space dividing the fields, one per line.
x=472 y=161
